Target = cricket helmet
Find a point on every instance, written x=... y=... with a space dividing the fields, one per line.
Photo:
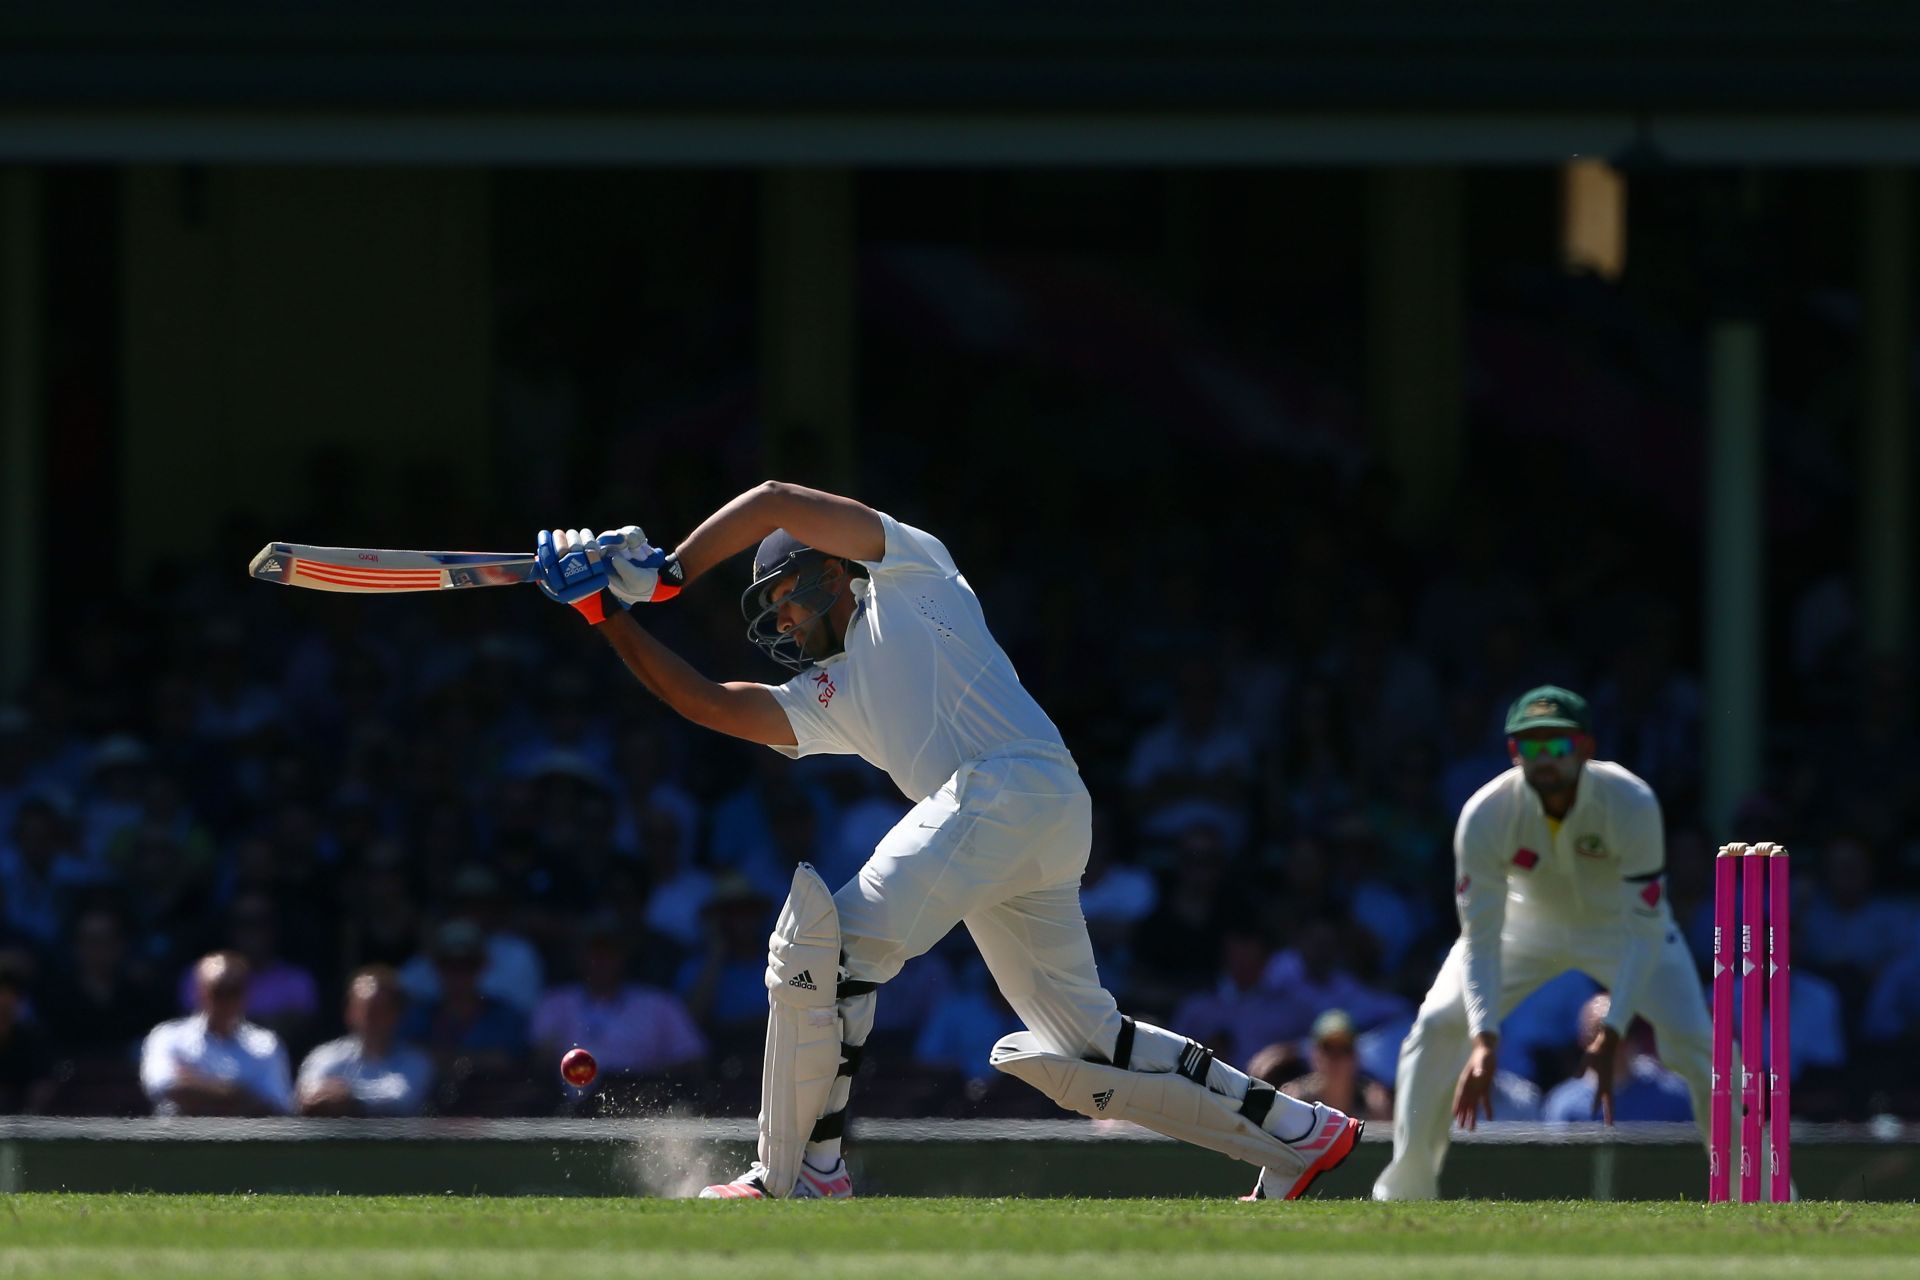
x=781 y=554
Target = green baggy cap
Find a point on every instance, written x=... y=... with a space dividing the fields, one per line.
x=1549 y=707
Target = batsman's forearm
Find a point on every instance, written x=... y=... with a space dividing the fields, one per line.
x=739 y=524
x=667 y=675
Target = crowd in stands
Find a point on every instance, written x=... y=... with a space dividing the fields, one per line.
x=265 y=851
x=345 y=859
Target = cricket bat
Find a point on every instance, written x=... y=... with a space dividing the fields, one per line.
x=364 y=569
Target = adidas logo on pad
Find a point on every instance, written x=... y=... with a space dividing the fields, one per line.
x=1101 y=1099
x=803 y=980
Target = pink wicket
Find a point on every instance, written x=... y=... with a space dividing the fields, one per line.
x=1720 y=1122
x=1750 y=895
x=1779 y=1014
x=1753 y=1017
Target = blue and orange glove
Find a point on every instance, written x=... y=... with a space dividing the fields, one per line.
x=642 y=572
x=573 y=570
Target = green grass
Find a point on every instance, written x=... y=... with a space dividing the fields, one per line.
x=260 y=1237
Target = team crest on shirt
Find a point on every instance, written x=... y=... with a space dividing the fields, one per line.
x=1590 y=846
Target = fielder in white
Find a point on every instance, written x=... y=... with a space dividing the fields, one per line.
x=1560 y=863
x=896 y=665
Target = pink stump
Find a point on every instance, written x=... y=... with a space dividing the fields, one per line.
x=1753 y=1004
x=1779 y=1017
x=1720 y=1121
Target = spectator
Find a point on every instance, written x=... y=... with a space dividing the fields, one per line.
x=677 y=892
x=281 y=995
x=742 y=832
x=724 y=988
x=115 y=799
x=26 y=1059
x=1642 y=1088
x=1533 y=1035
x=381 y=923
x=1115 y=896
x=38 y=868
x=645 y=767
x=511 y=972
x=462 y=1024
x=1649 y=711
x=215 y=1062
x=1195 y=766
x=1334 y=1076
x=973 y=1016
x=1238 y=1016
x=1847 y=929
x=233 y=706
x=99 y=1005
x=368 y=1072
x=630 y=1029
x=1175 y=950
x=1311 y=975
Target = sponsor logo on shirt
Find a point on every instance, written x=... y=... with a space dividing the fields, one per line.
x=1590 y=847
x=1460 y=890
x=823 y=688
x=1651 y=895
x=1526 y=859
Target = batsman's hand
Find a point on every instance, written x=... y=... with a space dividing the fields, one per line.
x=573 y=570
x=641 y=572
x=1603 y=1052
x=1475 y=1091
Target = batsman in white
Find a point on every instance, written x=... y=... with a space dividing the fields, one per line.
x=1560 y=863
x=895 y=664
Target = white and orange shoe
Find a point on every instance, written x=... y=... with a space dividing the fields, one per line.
x=812 y=1184
x=1331 y=1140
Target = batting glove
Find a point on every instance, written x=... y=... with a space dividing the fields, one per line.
x=641 y=572
x=573 y=571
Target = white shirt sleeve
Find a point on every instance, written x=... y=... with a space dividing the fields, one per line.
x=158 y=1066
x=277 y=1080
x=323 y=1061
x=1642 y=842
x=1480 y=898
x=911 y=550
x=807 y=699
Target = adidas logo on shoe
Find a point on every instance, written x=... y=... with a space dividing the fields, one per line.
x=1101 y=1099
x=803 y=980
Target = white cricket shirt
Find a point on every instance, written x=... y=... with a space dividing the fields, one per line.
x=922 y=686
x=1594 y=884
x=252 y=1056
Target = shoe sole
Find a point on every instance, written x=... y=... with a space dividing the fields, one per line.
x=1331 y=1159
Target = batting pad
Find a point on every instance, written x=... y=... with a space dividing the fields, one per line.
x=803 y=1026
x=1163 y=1101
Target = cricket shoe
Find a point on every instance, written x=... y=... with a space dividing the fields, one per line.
x=1331 y=1140
x=812 y=1184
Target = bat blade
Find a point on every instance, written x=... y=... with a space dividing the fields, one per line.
x=375 y=571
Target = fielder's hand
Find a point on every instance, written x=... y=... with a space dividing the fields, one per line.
x=573 y=570
x=641 y=572
x=1475 y=1091
x=1602 y=1053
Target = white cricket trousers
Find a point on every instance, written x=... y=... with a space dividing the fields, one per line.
x=1435 y=1051
x=1001 y=846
